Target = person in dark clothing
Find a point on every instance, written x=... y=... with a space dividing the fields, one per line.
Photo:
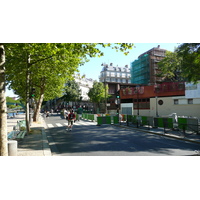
x=71 y=118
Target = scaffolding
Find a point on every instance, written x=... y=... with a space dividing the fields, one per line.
x=140 y=70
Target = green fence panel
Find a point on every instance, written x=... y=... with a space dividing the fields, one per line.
x=182 y=123
x=129 y=118
x=134 y=119
x=91 y=117
x=108 y=120
x=115 y=119
x=144 y=120
x=170 y=123
x=160 y=122
x=99 y=120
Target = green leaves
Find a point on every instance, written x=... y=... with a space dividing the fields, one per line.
x=51 y=64
x=72 y=91
x=98 y=92
x=183 y=64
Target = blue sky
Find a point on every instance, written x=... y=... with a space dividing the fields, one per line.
x=93 y=68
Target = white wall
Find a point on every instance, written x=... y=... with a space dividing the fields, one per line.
x=182 y=108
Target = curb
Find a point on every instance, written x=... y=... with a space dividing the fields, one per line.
x=170 y=136
x=45 y=143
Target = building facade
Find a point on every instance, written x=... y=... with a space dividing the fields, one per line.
x=113 y=77
x=85 y=84
x=163 y=99
x=115 y=74
x=145 y=68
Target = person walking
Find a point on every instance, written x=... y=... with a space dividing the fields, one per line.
x=71 y=118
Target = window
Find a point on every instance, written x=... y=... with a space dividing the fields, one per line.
x=112 y=74
x=107 y=73
x=190 y=101
x=175 y=101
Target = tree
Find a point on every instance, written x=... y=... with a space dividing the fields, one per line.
x=46 y=67
x=190 y=66
x=3 y=108
x=98 y=93
x=14 y=102
x=72 y=91
x=183 y=63
x=170 y=67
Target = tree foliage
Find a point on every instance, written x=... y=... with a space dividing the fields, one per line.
x=72 y=91
x=49 y=66
x=11 y=100
x=190 y=66
x=183 y=63
x=98 y=92
x=170 y=67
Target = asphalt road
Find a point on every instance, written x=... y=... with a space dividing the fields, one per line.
x=87 y=139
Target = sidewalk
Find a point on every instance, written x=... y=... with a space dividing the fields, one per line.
x=33 y=144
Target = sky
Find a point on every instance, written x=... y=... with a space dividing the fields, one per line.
x=93 y=68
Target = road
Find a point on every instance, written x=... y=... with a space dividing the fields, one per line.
x=87 y=139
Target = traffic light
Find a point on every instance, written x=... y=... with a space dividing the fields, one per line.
x=32 y=92
x=117 y=95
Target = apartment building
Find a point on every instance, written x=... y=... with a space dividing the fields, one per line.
x=85 y=84
x=145 y=68
x=115 y=74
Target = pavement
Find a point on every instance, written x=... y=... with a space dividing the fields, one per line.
x=36 y=143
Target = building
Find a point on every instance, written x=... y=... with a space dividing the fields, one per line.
x=115 y=74
x=145 y=68
x=113 y=77
x=162 y=99
x=85 y=84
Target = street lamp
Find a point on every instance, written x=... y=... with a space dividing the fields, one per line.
x=138 y=87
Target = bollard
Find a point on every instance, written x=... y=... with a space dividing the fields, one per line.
x=12 y=148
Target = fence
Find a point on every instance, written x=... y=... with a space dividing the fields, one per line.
x=182 y=124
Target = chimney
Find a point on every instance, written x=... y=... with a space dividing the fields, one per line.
x=158 y=46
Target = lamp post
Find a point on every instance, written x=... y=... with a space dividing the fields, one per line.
x=156 y=90
x=105 y=95
x=138 y=87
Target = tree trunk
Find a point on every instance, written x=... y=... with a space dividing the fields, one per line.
x=27 y=95
x=38 y=108
x=3 y=107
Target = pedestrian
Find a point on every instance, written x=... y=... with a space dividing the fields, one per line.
x=80 y=111
x=47 y=114
x=71 y=118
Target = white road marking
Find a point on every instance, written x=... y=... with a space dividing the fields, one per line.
x=50 y=125
x=58 y=124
